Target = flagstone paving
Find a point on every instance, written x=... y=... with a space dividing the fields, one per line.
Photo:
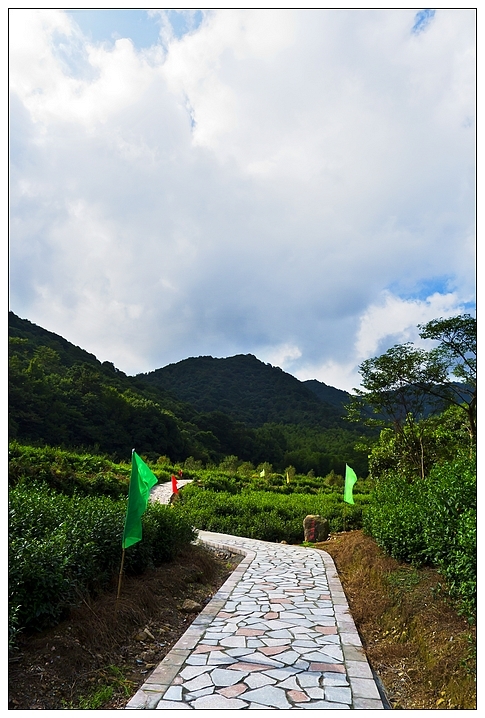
x=278 y=635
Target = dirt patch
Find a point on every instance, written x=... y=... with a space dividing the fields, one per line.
x=100 y=656
x=422 y=650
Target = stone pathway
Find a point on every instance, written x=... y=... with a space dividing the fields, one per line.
x=163 y=492
x=277 y=635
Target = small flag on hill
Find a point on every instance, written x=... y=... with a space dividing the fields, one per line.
x=141 y=481
x=350 y=479
x=262 y=473
x=174 y=485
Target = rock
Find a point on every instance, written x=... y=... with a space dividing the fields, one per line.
x=315 y=528
x=144 y=635
x=147 y=656
x=190 y=606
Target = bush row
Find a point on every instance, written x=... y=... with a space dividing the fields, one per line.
x=67 y=471
x=62 y=548
x=264 y=515
x=431 y=521
x=234 y=482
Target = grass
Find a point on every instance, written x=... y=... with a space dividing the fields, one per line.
x=110 y=680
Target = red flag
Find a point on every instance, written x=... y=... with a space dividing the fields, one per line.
x=174 y=485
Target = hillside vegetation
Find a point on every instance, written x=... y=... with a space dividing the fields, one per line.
x=249 y=391
x=60 y=395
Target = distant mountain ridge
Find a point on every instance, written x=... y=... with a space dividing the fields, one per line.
x=200 y=408
x=250 y=391
x=326 y=393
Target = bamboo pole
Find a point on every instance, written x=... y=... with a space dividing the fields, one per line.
x=119 y=580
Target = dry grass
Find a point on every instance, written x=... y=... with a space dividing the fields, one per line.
x=99 y=657
x=422 y=650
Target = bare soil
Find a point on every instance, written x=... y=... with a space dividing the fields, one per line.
x=420 y=648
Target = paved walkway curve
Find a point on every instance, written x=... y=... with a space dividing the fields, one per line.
x=277 y=635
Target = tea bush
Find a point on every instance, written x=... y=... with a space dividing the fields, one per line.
x=450 y=528
x=433 y=521
x=67 y=471
x=265 y=515
x=394 y=518
x=64 y=547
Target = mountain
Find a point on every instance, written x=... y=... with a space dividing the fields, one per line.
x=327 y=394
x=61 y=395
x=250 y=391
x=36 y=336
x=204 y=408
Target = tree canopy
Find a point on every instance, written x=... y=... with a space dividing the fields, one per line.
x=408 y=380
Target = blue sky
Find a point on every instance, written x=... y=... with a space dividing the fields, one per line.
x=294 y=184
x=422 y=19
x=109 y=25
x=141 y=26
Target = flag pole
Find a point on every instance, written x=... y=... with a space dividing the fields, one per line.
x=119 y=580
x=343 y=512
x=118 y=593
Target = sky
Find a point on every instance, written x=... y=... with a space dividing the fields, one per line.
x=294 y=184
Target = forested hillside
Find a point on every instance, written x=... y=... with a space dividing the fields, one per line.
x=61 y=395
x=251 y=391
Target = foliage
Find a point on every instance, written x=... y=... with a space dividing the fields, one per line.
x=409 y=380
x=395 y=518
x=67 y=471
x=248 y=391
x=60 y=395
x=111 y=679
x=419 y=445
x=431 y=520
x=450 y=527
x=56 y=398
x=423 y=508
x=265 y=515
x=62 y=548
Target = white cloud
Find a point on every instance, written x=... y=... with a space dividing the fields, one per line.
x=282 y=183
x=395 y=321
x=283 y=355
x=392 y=321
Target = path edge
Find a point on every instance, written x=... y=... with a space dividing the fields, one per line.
x=365 y=693
x=160 y=680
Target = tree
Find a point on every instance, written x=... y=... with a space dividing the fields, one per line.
x=457 y=352
x=407 y=381
x=229 y=465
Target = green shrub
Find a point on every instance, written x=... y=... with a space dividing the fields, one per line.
x=450 y=527
x=431 y=520
x=265 y=515
x=66 y=471
x=64 y=547
x=394 y=518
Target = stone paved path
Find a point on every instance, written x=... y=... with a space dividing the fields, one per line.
x=163 y=492
x=278 y=635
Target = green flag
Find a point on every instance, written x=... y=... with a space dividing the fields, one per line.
x=141 y=481
x=350 y=479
